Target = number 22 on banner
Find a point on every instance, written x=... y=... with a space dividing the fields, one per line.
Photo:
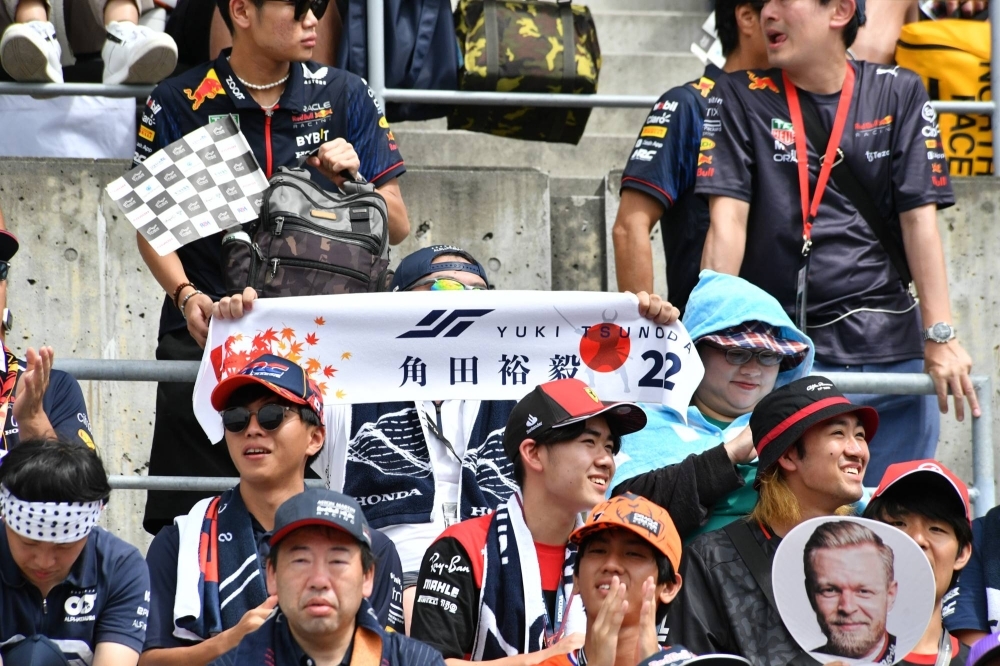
x=650 y=379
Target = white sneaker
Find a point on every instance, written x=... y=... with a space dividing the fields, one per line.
x=136 y=54
x=30 y=52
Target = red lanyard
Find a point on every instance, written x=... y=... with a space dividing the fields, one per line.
x=843 y=106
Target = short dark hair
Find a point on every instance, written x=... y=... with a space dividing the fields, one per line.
x=244 y=395
x=664 y=570
x=224 y=12
x=850 y=30
x=367 y=556
x=566 y=433
x=725 y=22
x=927 y=499
x=52 y=470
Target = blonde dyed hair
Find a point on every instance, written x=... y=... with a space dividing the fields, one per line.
x=777 y=504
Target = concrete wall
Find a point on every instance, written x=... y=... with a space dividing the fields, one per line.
x=79 y=285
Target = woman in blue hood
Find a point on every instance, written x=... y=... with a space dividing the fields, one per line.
x=749 y=347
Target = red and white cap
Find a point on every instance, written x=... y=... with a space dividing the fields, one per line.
x=899 y=471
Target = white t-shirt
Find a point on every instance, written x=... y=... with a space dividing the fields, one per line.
x=72 y=126
x=458 y=417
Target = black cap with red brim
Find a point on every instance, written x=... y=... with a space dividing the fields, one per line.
x=560 y=403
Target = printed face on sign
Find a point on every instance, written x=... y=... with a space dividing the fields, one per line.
x=837 y=587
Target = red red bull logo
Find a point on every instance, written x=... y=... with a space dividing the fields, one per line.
x=704 y=159
x=209 y=88
x=312 y=115
x=762 y=82
x=704 y=86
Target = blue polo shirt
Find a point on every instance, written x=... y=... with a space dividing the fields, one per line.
x=105 y=599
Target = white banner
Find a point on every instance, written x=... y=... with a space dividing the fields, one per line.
x=482 y=345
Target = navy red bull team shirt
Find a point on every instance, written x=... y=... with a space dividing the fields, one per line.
x=663 y=164
x=105 y=599
x=319 y=104
x=858 y=309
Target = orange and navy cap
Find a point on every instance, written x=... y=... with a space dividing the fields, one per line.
x=783 y=416
x=560 y=403
x=927 y=471
x=635 y=514
x=280 y=375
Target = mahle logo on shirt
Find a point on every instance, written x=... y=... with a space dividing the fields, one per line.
x=783 y=133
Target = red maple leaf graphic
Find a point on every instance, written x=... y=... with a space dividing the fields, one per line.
x=311 y=339
x=296 y=348
x=312 y=366
x=322 y=387
x=319 y=321
x=329 y=371
x=287 y=333
x=270 y=335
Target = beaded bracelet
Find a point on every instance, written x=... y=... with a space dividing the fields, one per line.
x=178 y=290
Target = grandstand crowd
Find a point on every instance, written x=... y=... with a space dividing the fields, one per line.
x=621 y=533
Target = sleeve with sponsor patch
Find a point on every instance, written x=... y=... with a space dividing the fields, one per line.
x=919 y=166
x=387 y=592
x=663 y=159
x=123 y=619
x=726 y=159
x=371 y=136
x=965 y=607
x=445 y=607
x=156 y=128
x=66 y=409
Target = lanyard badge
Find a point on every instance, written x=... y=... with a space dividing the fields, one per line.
x=811 y=208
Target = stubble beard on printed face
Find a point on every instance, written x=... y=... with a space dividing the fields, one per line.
x=853 y=644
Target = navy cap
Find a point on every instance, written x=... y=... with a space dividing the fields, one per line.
x=282 y=376
x=8 y=245
x=323 y=508
x=35 y=651
x=420 y=264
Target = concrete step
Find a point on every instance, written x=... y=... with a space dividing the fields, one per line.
x=704 y=6
x=647 y=32
x=646 y=73
x=594 y=155
x=577 y=227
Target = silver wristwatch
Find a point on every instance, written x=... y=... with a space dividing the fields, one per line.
x=940 y=332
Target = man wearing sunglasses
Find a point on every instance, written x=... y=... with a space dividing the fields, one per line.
x=749 y=346
x=207 y=571
x=288 y=107
x=36 y=402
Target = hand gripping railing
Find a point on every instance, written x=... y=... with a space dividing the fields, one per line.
x=983 y=491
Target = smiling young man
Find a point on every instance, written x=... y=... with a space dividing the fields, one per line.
x=748 y=346
x=628 y=555
x=321 y=568
x=836 y=245
x=83 y=589
x=287 y=107
x=205 y=601
x=927 y=501
x=812 y=445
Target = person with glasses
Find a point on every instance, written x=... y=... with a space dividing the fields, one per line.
x=36 y=401
x=460 y=441
x=289 y=108
x=208 y=570
x=749 y=347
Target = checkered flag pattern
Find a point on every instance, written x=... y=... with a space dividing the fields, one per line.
x=199 y=185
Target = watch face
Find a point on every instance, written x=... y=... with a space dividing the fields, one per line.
x=941 y=331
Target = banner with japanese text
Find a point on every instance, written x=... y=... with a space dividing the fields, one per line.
x=473 y=345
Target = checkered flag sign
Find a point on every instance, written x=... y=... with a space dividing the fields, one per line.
x=199 y=185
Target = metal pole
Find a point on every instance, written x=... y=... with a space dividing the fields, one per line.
x=128 y=371
x=983 y=473
x=995 y=75
x=178 y=483
x=376 y=50
x=73 y=89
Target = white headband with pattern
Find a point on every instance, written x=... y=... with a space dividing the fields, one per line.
x=53 y=522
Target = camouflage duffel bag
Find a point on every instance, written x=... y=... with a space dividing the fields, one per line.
x=526 y=46
x=309 y=241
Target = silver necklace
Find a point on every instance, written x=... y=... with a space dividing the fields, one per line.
x=266 y=86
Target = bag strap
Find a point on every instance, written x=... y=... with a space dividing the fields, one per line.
x=492 y=44
x=760 y=568
x=856 y=193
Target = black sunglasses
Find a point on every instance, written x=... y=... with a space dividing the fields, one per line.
x=318 y=7
x=4 y=270
x=269 y=416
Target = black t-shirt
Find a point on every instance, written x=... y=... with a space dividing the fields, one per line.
x=959 y=653
x=663 y=163
x=319 y=104
x=891 y=145
x=65 y=408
